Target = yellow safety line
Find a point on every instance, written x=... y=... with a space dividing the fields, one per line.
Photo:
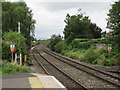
x=35 y=82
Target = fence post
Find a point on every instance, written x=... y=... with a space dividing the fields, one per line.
x=20 y=59
x=12 y=56
x=15 y=58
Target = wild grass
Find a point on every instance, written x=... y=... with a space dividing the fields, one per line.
x=93 y=56
x=74 y=53
x=12 y=68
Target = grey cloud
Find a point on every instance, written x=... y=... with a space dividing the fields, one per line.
x=59 y=6
x=45 y=29
x=47 y=32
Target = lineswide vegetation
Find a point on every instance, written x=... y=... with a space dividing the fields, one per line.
x=14 y=15
x=85 y=41
x=12 y=68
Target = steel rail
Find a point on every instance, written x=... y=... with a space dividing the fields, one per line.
x=46 y=72
x=82 y=87
x=116 y=84
x=93 y=68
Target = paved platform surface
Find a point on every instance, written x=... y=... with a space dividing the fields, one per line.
x=30 y=82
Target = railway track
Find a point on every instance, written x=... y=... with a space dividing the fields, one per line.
x=51 y=69
x=44 y=70
x=111 y=79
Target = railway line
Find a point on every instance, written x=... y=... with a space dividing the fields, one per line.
x=101 y=69
x=69 y=67
x=43 y=68
x=112 y=79
x=51 y=69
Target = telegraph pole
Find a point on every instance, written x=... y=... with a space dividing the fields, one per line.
x=20 y=53
x=18 y=27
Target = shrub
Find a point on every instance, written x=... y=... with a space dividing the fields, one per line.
x=11 y=68
x=85 y=44
x=81 y=43
x=93 y=56
x=102 y=60
x=114 y=61
x=90 y=56
x=13 y=38
x=60 y=46
x=107 y=59
x=47 y=42
x=54 y=40
x=75 y=42
x=6 y=53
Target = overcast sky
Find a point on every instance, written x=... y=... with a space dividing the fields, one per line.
x=50 y=14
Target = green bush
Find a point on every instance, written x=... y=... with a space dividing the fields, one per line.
x=107 y=59
x=90 y=56
x=93 y=56
x=11 y=68
x=74 y=53
x=75 y=43
x=60 y=46
x=6 y=54
x=82 y=43
x=47 y=42
x=106 y=54
x=13 y=38
x=85 y=44
x=54 y=40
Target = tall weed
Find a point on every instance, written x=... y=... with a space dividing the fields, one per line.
x=11 y=68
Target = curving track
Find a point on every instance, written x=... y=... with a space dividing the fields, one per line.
x=107 y=77
x=35 y=55
x=56 y=64
x=51 y=69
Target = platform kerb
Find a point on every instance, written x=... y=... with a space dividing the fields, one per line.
x=50 y=82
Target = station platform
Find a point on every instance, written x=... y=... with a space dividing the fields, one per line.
x=30 y=82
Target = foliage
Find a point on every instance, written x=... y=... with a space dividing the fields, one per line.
x=54 y=40
x=35 y=41
x=74 y=53
x=84 y=43
x=60 y=46
x=87 y=51
x=93 y=56
x=46 y=42
x=80 y=26
x=11 y=68
x=114 y=22
x=17 y=39
x=95 y=30
x=76 y=26
x=14 y=12
x=89 y=56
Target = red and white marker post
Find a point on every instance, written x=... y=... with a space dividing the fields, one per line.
x=109 y=51
x=12 y=49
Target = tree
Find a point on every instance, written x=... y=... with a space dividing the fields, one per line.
x=114 y=22
x=95 y=30
x=60 y=46
x=54 y=40
x=77 y=26
x=13 y=38
x=14 y=12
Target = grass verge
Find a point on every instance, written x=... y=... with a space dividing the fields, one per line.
x=12 y=68
x=93 y=56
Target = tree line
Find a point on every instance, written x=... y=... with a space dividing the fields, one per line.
x=80 y=26
x=113 y=23
x=12 y=13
